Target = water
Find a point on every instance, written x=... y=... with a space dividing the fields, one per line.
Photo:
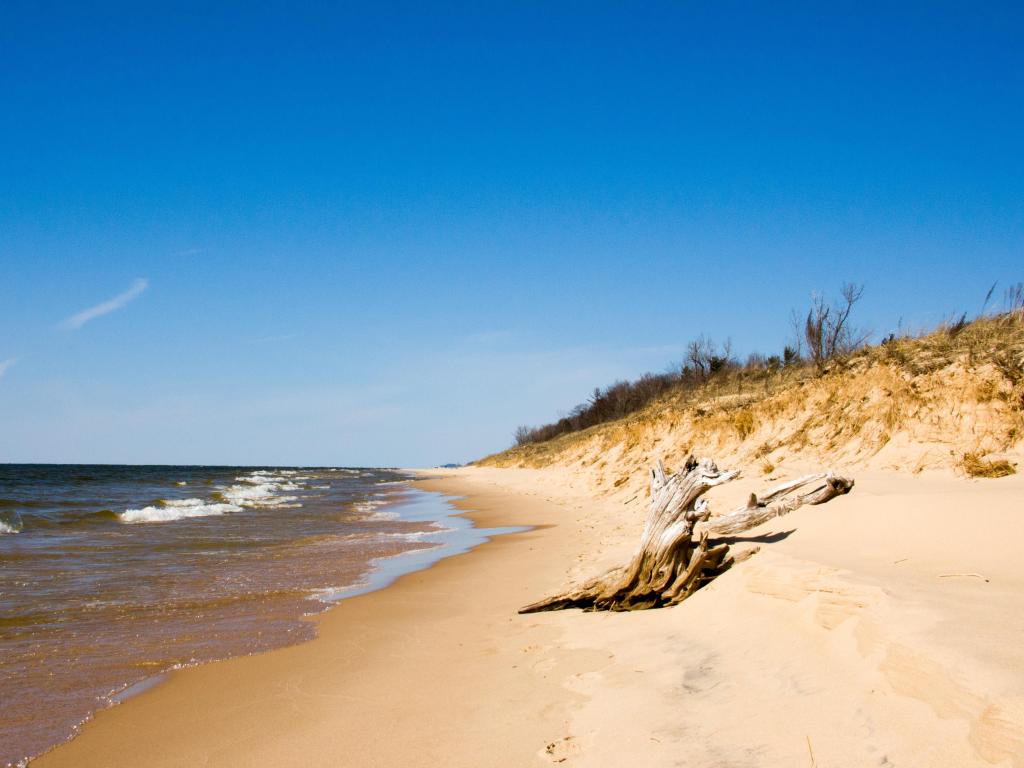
x=111 y=575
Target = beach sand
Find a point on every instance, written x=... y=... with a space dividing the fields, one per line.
x=844 y=642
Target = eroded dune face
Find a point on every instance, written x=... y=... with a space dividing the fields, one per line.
x=950 y=400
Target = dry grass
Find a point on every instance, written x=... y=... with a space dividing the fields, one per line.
x=962 y=384
x=743 y=423
x=976 y=466
x=986 y=390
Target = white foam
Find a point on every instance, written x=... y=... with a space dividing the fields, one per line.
x=10 y=522
x=260 y=478
x=417 y=535
x=368 y=506
x=176 y=509
x=260 y=489
x=259 y=494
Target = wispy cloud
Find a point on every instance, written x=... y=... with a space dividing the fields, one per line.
x=76 y=321
x=4 y=365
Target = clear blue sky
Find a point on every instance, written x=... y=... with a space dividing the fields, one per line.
x=390 y=233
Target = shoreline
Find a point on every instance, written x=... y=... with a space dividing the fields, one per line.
x=455 y=534
x=839 y=639
x=170 y=575
x=148 y=728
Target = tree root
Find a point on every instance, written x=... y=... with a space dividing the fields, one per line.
x=675 y=558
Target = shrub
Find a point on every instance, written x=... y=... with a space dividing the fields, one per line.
x=827 y=329
x=708 y=370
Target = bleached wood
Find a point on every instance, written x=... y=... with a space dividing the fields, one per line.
x=669 y=565
x=757 y=511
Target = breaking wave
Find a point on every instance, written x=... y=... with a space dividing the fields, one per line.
x=176 y=509
x=10 y=522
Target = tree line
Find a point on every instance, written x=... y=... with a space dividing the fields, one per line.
x=826 y=332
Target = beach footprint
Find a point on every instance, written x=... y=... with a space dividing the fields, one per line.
x=561 y=750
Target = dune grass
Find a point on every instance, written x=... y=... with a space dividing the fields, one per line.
x=976 y=466
x=957 y=386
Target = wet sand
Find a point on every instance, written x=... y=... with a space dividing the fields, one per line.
x=429 y=671
x=95 y=603
x=843 y=643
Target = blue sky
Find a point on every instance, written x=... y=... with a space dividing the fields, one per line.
x=391 y=233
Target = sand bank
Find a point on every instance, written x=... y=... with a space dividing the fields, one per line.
x=843 y=643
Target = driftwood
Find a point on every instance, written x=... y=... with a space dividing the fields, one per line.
x=676 y=555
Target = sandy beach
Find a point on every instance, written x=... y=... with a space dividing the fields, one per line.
x=881 y=629
x=509 y=385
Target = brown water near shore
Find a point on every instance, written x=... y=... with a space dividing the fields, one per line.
x=95 y=603
x=396 y=677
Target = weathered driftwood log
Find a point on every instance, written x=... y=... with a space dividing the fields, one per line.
x=675 y=556
x=826 y=486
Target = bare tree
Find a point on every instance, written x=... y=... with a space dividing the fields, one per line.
x=704 y=359
x=797 y=323
x=725 y=359
x=698 y=355
x=827 y=329
x=523 y=435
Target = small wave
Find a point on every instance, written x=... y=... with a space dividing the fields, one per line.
x=258 y=495
x=22 y=503
x=176 y=510
x=416 y=535
x=263 y=478
x=368 y=506
x=370 y=509
x=10 y=523
x=260 y=489
x=100 y=515
x=294 y=473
